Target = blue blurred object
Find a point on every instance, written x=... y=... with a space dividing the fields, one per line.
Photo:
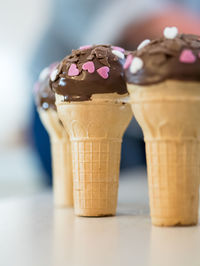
x=133 y=152
x=42 y=145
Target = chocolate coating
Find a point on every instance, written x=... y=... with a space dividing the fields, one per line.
x=161 y=58
x=44 y=96
x=82 y=86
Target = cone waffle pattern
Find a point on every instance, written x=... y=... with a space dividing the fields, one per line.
x=173 y=176
x=96 y=172
x=62 y=172
x=169 y=115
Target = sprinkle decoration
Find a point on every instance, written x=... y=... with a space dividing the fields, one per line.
x=54 y=74
x=84 y=47
x=73 y=70
x=170 y=32
x=136 y=65
x=187 y=56
x=128 y=61
x=103 y=72
x=62 y=82
x=117 y=48
x=89 y=66
x=143 y=44
x=118 y=54
x=45 y=105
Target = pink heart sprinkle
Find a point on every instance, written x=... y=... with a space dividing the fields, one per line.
x=128 y=61
x=103 y=72
x=84 y=47
x=89 y=66
x=118 y=48
x=187 y=56
x=73 y=70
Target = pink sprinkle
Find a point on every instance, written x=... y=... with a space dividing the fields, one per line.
x=84 y=47
x=118 y=48
x=73 y=70
x=128 y=61
x=89 y=66
x=187 y=56
x=103 y=72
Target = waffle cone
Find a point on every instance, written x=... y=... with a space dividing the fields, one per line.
x=169 y=115
x=61 y=159
x=95 y=129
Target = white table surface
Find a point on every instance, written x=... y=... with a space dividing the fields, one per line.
x=33 y=233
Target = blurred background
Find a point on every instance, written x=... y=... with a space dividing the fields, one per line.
x=35 y=33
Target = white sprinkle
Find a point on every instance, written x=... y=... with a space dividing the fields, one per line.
x=62 y=82
x=143 y=44
x=45 y=105
x=170 y=32
x=44 y=74
x=136 y=65
x=118 y=54
x=54 y=74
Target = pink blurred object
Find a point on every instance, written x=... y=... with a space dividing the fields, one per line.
x=128 y=61
x=118 y=48
x=53 y=66
x=84 y=47
x=153 y=26
x=36 y=87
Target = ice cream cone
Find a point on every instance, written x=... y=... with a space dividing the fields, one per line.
x=169 y=114
x=61 y=158
x=95 y=128
x=91 y=92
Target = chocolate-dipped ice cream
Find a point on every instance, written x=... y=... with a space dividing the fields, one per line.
x=90 y=70
x=44 y=96
x=165 y=58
